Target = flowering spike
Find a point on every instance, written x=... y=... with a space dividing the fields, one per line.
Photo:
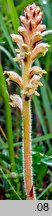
x=25 y=47
x=16 y=101
x=23 y=32
x=36 y=70
x=31 y=90
x=17 y=50
x=35 y=78
x=17 y=39
x=37 y=10
x=36 y=93
x=38 y=19
x=40 y=48
x=23 y=21
x=27 y=16
x=13 y=76
x=30 y=44
x=36 y=38
x=40 y=27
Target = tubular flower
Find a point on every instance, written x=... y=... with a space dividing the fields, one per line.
x=16 y=101
x=29 y=46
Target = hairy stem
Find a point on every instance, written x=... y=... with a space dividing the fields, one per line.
x=27 y=160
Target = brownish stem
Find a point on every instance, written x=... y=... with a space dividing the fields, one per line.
x=27 y=160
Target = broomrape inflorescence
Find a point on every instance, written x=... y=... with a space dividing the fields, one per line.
x=30 y=45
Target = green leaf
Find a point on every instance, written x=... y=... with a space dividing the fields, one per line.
x=47 y=65
x=34 y=140
x=38 y=165
x=4 y=157
x=9 y=182
x=45 y=191
x=42 y=138
x=10 y=57
x=49 y=93
x=5 y=31
x=14 y=16
x=46 y=104
x=40 y=114
x=47 y=160
x=2 y=146
x=48 y=14
x=21 y=6
x=5 y=96
x=45 y=99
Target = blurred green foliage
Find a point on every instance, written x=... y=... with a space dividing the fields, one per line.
x=11 y=179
